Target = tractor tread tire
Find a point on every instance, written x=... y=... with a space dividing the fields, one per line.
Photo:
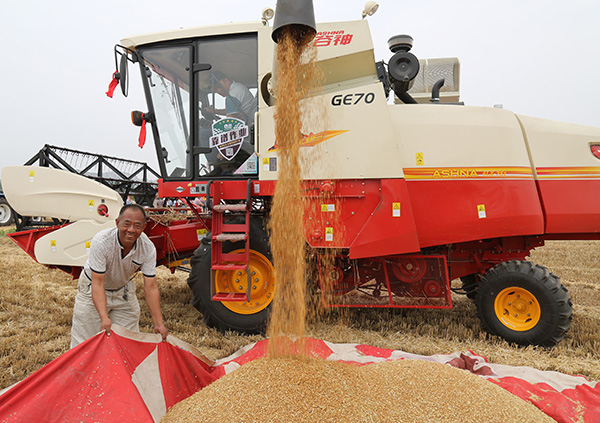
x=551 y=294
x=214 y=313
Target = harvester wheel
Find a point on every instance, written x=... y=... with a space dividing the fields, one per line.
x=6 y=213
x=524 y=303
x=247 y=317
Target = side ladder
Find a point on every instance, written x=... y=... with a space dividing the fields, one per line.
x=224 y=231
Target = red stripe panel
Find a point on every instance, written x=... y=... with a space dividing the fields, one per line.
x=446 y=212
x=571 y=206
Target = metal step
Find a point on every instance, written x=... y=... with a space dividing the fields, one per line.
x=230 y=296
x=229 y=266
x=229 y=207
x=229 y=237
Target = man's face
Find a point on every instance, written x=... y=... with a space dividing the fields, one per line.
x=225 y=83
x=130 y=226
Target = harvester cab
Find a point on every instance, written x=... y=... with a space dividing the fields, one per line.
x=202 y=98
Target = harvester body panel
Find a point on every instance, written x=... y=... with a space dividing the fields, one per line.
x=567 y=173
x=468 y=173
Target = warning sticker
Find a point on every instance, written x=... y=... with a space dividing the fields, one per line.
x=327 y=207
x=273 y=164
x=395 y=209
x=87 y=247
x=265 y=163
x=53 y=245
x=32 y=176
x=481 y=211
x=90 y=206
x=201 y=233
x=329 y=234
x=420 y=160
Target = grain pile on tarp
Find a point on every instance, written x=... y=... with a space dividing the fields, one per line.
x=130 y=377
x=300 y=389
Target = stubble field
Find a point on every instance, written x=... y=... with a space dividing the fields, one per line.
x=36 y=308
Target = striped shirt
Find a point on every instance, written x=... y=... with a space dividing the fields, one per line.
x=106 y=258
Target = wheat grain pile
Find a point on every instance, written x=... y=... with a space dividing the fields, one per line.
x=313 y=390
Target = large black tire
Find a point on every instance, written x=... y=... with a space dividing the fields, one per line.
x=524 y=303
x=6 y=213
x=219 y=314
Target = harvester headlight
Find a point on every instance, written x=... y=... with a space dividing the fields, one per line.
x=370 y=8
x=267 y=15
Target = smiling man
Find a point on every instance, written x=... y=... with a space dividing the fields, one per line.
x=106 y=291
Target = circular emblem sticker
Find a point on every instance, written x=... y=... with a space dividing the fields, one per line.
x=228 y=134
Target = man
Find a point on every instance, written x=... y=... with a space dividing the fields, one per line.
x=106 y=291
x=239 y=101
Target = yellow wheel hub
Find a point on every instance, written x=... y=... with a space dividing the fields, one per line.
x=517 y=309
x=262 y=282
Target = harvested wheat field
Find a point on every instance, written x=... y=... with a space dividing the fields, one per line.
x=36 y=305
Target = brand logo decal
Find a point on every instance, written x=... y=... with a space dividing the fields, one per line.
x=228 y=134
x=327 y=38
x=468 y=172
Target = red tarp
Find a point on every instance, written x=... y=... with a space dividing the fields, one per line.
x=130 y=377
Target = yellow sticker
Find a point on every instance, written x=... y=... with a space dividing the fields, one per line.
x=265 y=163
x=201 y=233
x=90 y=206
x=329 y=234
x=420 y=160
x=87 y=247
x=53 y=245
x=32 y=176
x=481 y=211
x=327 y=207
x=395 y=209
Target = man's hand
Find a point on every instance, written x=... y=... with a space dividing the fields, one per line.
x=162 y=329
x=153 y=302
x=105 y=325
x=99 y=299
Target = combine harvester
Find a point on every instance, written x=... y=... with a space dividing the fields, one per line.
x=412 y=194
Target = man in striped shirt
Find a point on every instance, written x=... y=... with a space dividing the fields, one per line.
x=106 y=290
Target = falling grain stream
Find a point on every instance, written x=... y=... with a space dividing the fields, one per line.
x=288 y=315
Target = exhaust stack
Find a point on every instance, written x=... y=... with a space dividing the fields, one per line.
x=299 y=15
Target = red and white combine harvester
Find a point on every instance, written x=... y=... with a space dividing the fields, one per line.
x=411 y=195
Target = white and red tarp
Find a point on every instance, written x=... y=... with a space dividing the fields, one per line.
x=133 y=377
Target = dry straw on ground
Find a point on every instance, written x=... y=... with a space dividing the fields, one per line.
x=36 y=309
x=314 y=390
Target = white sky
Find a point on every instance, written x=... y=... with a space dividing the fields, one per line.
x=536 y=57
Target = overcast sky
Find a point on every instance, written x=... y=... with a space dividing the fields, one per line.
x=536 y=57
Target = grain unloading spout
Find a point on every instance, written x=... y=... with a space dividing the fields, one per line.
x=297 y=15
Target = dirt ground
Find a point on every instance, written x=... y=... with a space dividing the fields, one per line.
x=36 y=309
